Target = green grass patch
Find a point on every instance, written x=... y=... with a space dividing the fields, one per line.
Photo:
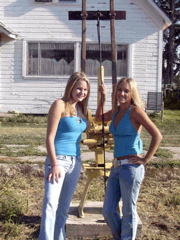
x=164 y=163
x=21 y=152
x=25 y=119
x=34 y=138
x=172 y=200
x=163 y=153
x=11 y=205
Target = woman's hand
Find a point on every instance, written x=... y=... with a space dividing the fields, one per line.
x=137 y=160
x=55 y=174
x=102 y=89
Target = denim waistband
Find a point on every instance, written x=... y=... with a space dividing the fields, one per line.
x=116 y=162
x=68 y=157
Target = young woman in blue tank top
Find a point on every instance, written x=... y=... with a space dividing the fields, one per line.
x=66 y=122
x=127 y=172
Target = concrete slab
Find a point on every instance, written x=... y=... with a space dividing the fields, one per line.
x=92 y=225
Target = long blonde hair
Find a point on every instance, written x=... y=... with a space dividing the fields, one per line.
x=136 y=98
x=67 y=98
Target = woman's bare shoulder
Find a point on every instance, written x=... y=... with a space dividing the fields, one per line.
x=59 y=102
x=136 y=110
x=57 y=105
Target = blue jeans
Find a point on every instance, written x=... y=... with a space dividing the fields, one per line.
x=123 y=183
x=57 y=198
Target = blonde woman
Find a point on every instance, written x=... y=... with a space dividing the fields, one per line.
x=127 y=172
x=66 y=122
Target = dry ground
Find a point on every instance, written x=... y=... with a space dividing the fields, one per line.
x=158 y=204
x=21 y=188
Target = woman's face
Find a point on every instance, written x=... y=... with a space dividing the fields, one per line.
x=124 y=94
x=79 y=91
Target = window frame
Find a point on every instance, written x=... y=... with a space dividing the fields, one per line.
x=105 y=44
x=25 y=55
x=77 y=59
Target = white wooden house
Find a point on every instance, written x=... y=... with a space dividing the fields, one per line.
x=40 y=47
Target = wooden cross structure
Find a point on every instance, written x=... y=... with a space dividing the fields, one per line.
x=97 y=133
x=111 y=15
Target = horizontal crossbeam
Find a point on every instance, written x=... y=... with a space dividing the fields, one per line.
x=94 y=15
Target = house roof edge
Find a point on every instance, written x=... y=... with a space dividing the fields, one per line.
x=7 y=31
x=166 y=19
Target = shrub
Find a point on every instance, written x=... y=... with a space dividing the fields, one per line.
x=11 y=206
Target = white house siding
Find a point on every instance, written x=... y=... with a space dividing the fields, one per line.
x=47 y=21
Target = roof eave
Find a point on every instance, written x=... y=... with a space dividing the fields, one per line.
x=8 y=32
x=167 y=21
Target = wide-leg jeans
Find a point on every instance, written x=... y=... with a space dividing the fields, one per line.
x=123 y=183
x=58 y=196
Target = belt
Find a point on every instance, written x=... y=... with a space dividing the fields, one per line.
x=116 y=162
x=66 y=157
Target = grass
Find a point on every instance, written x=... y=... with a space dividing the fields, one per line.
x=159 y=204
x=20 y=196
x=21 y=189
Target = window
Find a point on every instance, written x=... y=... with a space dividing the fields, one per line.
x=50 y=59
x=122 y=62
x=93 y=59
x=57 y=59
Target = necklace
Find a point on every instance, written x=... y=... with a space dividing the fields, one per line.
x=78 y=115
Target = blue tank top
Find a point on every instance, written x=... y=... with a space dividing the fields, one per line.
x=68 y=135
x=127 y=140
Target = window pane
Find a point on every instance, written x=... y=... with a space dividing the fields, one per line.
x=53 y=59
x=122 y=60
x=57 y=59
x=93 y=59
x=106 y=59
x=32 y=61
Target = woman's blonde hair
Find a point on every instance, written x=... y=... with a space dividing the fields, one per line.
x=67 y=98
x=136 y=98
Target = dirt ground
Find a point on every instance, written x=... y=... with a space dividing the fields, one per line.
x=86 y=155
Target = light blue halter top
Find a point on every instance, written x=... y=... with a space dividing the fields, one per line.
x=127 y=140
x=68 y=135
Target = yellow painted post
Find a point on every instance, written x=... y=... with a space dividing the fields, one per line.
x=100 y=80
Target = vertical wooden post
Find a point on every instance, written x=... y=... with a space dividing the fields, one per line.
x=83 y=50
x=113 y=43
